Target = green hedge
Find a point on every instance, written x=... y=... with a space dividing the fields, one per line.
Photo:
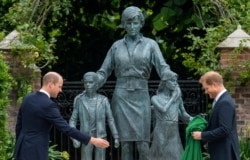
x=6 y=82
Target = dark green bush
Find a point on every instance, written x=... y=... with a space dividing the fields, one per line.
x=6 y=82
x=245 y=145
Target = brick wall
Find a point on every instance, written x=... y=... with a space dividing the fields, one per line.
x=241 y=94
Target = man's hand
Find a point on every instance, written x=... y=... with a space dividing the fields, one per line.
x=196 y=135
x=99 y=142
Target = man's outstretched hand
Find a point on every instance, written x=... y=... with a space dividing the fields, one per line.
x=99 y=142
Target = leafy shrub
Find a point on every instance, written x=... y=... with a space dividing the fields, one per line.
x=10 y=145
x=57 y=155
x=245 y=145
x=6 y=82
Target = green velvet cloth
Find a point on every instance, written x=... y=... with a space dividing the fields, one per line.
x=193 y=147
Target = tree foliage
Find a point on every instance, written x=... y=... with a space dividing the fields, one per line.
x=88 y=33
x=80 y=34
x=218 y=20
x=27 y=17
x=34 y=50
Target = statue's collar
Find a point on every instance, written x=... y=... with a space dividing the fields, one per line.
x=139 y=39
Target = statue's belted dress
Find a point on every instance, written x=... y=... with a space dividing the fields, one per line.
x=131 y=102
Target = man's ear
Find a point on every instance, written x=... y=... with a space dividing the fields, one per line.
x=214 y=85
x=50 y=84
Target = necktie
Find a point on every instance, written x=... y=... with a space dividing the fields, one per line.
x=213 y=103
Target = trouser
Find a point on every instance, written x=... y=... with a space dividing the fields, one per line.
x=87 y=152
x=127 y=150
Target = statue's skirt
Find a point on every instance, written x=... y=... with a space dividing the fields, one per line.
x=132 y=114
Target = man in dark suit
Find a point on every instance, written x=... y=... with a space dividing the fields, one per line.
x=37 y=114
x=221 y=133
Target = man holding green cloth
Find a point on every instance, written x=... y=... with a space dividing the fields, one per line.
x=193 y=147
x=220 y=134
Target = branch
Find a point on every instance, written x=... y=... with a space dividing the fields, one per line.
x=196 y=8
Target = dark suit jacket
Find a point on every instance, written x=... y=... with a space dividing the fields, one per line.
x=37 y=114
x=221 y=132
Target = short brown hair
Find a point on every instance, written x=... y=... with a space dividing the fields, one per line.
x=51 y=77
x=210 y=77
